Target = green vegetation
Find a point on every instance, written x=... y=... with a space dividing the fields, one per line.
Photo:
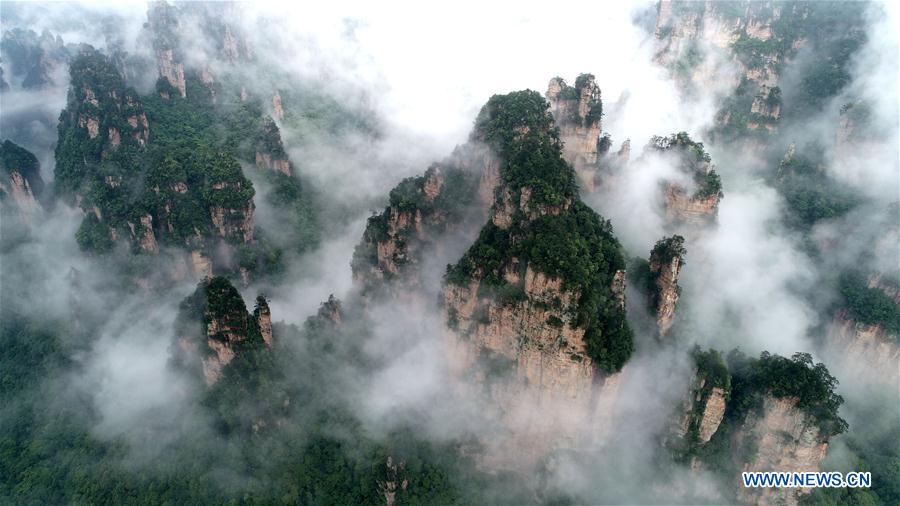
x=575 y=245
x=15 y=157
x=188 y=171
x=780 y=377
x=695 y=161
x=662 y=254
x=811 y=195
x=310 y=451
x=520 y=128
x=869 y=305
x=439 y=212
x=668 y=248
x=711 y=372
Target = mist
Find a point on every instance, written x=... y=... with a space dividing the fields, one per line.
x=418 y=74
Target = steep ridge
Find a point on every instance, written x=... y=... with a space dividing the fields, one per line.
x=535 y=308
x=696 y=203
x=666 y=260
x=866 y=326
x=213 y=327
x=35 y=61
x=767 y=414
x=578 y=112
x=105 y=159
x=21 y=186
x=422 y=212
x=748 y=47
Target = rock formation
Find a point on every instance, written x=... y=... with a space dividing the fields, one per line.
x=276 y=105
x=99 y=106
x=691 y=36
x=20 y=181
x=765 y=414
x=743 y=48
x=393 y=482
x=421 y=211
x=703 y=409
x=578 y=111
x=867 y=344
x=35 y=59
x=525 y=328
x=785 y=438
x=233 y=222
x=331 y=310
x=197 y=200
x=666 y=261
x=213 y=327
x=685 y=206
x=163 y=23
x=270 y=153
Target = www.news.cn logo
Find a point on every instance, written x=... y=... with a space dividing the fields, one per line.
x=806 y=480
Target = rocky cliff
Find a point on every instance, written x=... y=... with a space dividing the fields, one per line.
x=21 y=185
x=141 y=193
x=163 y=24
x=578 y=111
x=535 y=308
x=785 y=438
x=101 y=114
x=865 y=331
x=868 y=344
x=270 y=153
x=742 y=49
x=703 y=408
x=35 y=61
x=697 y=201
x=666 y=260
x=213 y=327
x=767 y=414
x=420 y=214
x=693 y=38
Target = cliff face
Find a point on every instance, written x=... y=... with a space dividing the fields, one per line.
x=225 y=327
x=742 y=49
x=196 y=200
x=699 y=205
x=101 y=107
x=420 y=213
x=270 y=153
x=740 y=33
x=577 y=111
x=666 y=260
x=865 y=331
x=867 y=344
x=34 y=59
x=532 y=356
x=527 y=329
x=703 y=408
x=21 y=182
x=232 y=221
x=277 y=107
x=767 y=414
x=785 y=439
x=163 y=23
x=682 y=208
